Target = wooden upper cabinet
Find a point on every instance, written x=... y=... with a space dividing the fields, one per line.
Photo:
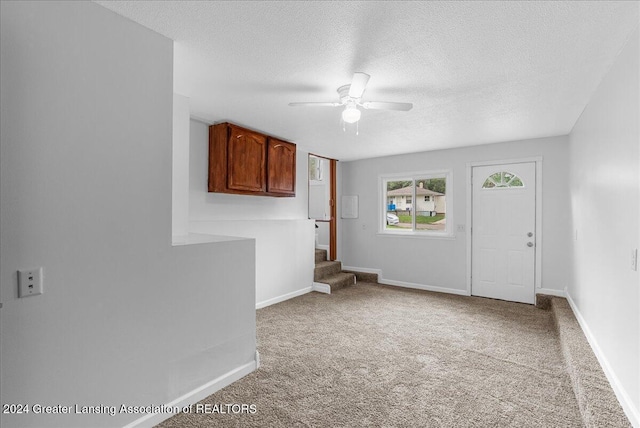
x=247 y=162
x=281 y=159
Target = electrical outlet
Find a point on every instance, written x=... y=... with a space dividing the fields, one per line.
x=460 y=228
x=30 y=282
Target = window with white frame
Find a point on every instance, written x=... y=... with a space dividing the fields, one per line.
x=431 y=213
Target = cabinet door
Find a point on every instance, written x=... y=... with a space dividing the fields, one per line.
x=282 y=168
x=246 y=160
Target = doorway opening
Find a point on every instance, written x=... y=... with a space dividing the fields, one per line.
x=322 y=202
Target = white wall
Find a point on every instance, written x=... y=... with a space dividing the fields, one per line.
x=319 y=196
x=284 y=254
x=85 y=192
x=283 y=232
x=442 y=263
x=323 y=234
x=605 y=190
x=180 y=167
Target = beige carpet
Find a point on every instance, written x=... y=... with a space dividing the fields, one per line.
x=597 y=401
x=372 y=355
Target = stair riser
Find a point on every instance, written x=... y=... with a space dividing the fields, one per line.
x=327 y=270
x=346 y=282
x=366 y=277
x=321 y=256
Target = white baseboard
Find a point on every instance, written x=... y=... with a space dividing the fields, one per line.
x=550 y=292
x=632 y=412
x=363 y=270
x=423 y=287
x=386 y=281
x=322 y=247
x=284 y=297
x=321 y=287
x=196 y=395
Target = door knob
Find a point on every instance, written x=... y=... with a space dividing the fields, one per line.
x=530 y=234
x=529 y=244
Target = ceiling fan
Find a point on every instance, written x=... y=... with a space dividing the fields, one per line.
x=351 y=99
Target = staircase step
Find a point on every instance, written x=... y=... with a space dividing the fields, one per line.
x=339 y=280
x=325 y=269
x=543 y=301
x=321 y=255
x=364 y=276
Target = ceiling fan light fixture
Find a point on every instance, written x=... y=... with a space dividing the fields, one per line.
x=351 y=114
x=351 y=98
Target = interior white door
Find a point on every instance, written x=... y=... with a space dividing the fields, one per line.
x=503 y=235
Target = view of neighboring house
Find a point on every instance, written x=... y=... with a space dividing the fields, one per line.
x=427 y=203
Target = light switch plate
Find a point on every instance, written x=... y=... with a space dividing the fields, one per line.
x=634 y=259
x=30 y=282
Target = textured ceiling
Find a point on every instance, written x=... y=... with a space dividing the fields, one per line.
x=476 y=72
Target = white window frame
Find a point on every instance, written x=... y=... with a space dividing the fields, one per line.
x=448 y=233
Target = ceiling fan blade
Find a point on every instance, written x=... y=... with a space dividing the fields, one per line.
x=314 y=104
x=358 y=84
x=375 y=105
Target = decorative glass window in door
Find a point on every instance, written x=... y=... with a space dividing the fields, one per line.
x=502 y=179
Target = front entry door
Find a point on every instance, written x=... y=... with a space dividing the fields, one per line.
x=503 y=232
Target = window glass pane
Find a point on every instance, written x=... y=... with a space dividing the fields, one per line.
x=431 y=209
x=399 y=213
x=502 y=180
x=316 y=172
x=313 y=168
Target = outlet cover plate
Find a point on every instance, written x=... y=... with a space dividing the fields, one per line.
x=30 y=282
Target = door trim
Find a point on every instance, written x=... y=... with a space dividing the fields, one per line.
x=333 y=224
x=539 y=234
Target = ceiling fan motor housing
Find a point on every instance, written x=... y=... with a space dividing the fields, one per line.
x=343 y=91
